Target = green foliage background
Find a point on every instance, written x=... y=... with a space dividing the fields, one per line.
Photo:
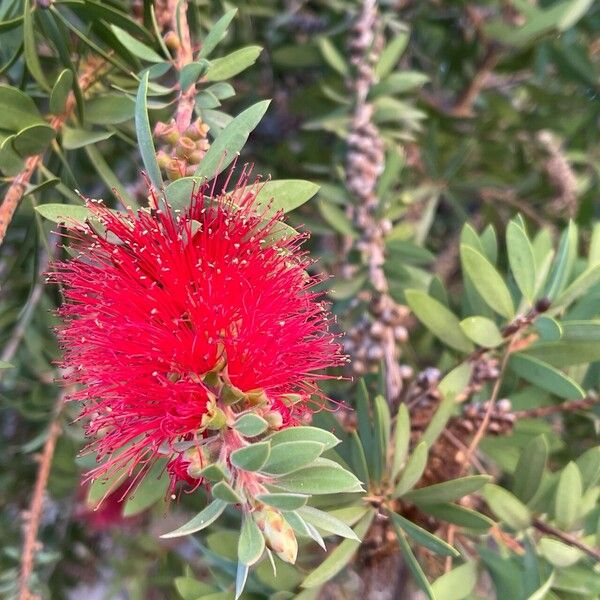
x=487 y=110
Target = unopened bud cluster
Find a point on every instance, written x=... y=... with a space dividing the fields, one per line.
x=384 y=324
x=181 y=152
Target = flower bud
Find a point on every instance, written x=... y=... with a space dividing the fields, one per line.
x=278 y=534
x=257 y=397
x=274 y=419
x=214 y=418
x=172 y=40
x=231 y=394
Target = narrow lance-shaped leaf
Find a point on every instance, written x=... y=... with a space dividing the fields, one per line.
x=144 y=134
x=521 y=259
x=230 y=141
x=202 y=520
x=423 y=537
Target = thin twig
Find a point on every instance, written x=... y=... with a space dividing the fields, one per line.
x=489 y=410
x=34 y=514
x=569 y=406
x=566 y=538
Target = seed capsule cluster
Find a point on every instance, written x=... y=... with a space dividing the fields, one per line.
x=181 y=152
x=384 y=324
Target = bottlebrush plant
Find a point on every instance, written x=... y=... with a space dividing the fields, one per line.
x=344 y=343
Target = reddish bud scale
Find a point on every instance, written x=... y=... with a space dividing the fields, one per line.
x=152 y=305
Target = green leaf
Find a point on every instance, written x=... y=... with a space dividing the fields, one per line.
x=252 y=457
x=60 y=92
x=438 y=319
x=190 y=74
x=191 y=589
x=413 y=471
x=484 y=332
x=223 y=491
x=558 y=553
x=232 y=64
x=151 y=489
x=109 y=109
x=447 y=491
x=401 y=439
x=549 y=329
x=568 y=497
x=215 y=472
x=291 y=456
x=31 y=52
x=136 y=47
x=456 y=584
x=78 y=138
x=251 y=544
x=34 y=139
x=332 y=56
x=422 y=536
x=303 y=434
x=337 y=218
x=230 y=141
x=340 y=557
x=391 y=55
x=18 y=110
x=564 y=353
x=381 y=429
x=398 y=83
x=487 y=281
x=6 y=365
x=328 y=478
x=439 y=421
x=542 y=592
x=241 y=576
x=217 y=33
x=64 y=213
x=584 y=331
x=521 y=259
x=459 y=515
x=284 y=501
x=144 y=134
x=327 y=522
x=250 y=425
x=507 y=507
x=358 y=458
x=530 y=468
x=202 y=520
x=545 y=376
x=563 y=263
x=283 y=194
x=101 y=488
x=573 y=11
x=413 y=563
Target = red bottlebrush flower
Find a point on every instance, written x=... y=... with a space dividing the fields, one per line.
x=167 y=315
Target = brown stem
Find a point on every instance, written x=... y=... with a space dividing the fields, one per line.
x=464 y=104
x=17 y=188
x=34 y=514
x=566 y=538
x=569 y=406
